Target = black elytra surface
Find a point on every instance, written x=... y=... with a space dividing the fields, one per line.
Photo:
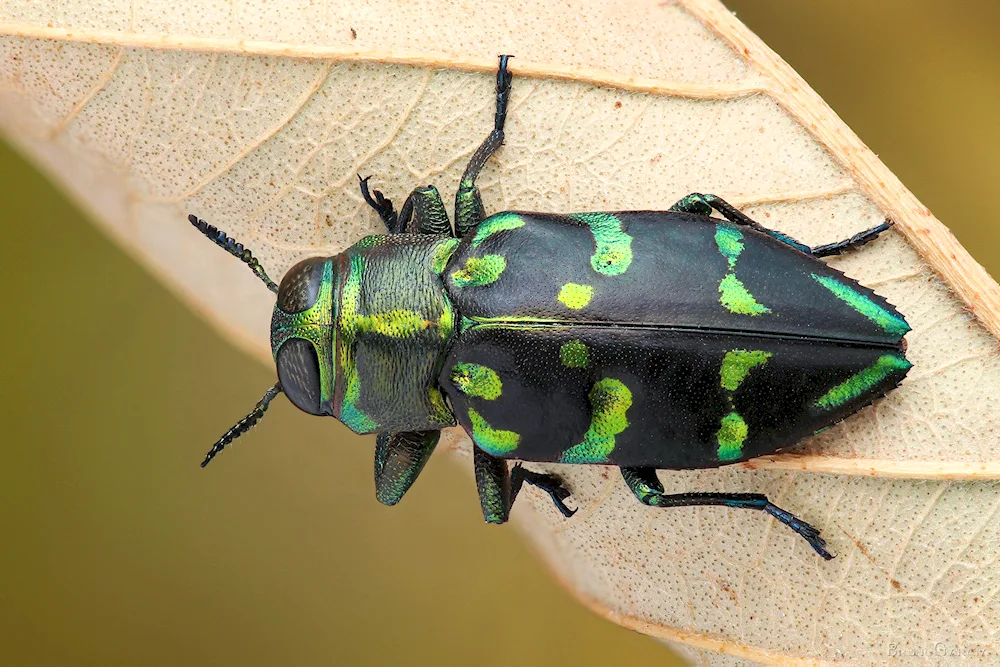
x=660 y=329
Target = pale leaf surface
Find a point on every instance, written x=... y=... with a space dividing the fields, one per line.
x=257 y=115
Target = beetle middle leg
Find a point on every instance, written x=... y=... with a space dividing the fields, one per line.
x=644 y=483
x=469 y=210
x=498 y=487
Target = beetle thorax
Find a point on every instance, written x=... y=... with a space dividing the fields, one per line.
x=393 y=323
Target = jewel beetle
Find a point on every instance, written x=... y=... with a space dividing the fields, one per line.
x=640 y=339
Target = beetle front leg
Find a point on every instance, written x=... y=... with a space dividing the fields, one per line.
x=469 y=210
x=644 y=483
x=381 y=204
x=428 y=213
x=498 y=488
x=399 y=458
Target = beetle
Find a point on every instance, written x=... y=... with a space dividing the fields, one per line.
x=642 y=339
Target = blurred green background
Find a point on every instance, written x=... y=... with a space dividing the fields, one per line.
x=119 y=551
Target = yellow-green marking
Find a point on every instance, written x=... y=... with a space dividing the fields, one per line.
x=575 y=296
x=613 y=247
x=733 y=294
x=883 y=318
x=610 y=400
x=476 y=380
x=733 y=430
x=858 y=384
x=574 y=354
x=479 y=271
x=737 y=364
x=497 y=223
x=490 y=440
x=731 y=436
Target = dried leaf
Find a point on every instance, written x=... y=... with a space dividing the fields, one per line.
x=257 y=117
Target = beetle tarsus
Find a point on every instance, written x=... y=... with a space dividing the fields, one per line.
x=809 y=532
x=381 y=204
x=550 y=484
x=855 y=241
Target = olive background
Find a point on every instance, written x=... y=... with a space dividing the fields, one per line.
x=118 y=550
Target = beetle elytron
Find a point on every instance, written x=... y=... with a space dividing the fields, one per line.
x=643 y=340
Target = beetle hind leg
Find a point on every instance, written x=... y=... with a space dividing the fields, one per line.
x=644 y=483
x=469 y=210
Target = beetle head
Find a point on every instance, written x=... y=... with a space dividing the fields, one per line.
x=302 y=335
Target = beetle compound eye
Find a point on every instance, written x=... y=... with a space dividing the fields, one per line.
x=298 y=371
x=299 y=288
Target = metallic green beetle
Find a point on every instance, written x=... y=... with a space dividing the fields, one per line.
x=644 y=340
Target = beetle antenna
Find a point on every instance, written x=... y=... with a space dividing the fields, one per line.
x=234 y=248
x=243 y=425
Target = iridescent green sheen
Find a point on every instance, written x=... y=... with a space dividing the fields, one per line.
x=737 y=364
x=613 y=252
x=490 y=440
x=610 y=400
x=497 y=223
x=479 y=271
x=348 y=320
x=862 y=304
x=574 y=354
x=442 y=254
x=858 y=384
x=476 y=380
x=730 y=243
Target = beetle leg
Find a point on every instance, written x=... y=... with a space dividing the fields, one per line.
x=399 y=458
x=855 y=241
x=469 y=210
x=498 y=487
x=703 y=204
x=647 y=488
x=424 y=205
x=381 y=204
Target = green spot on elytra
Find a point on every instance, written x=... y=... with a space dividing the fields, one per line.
x=730 y=436
x=497 y=223
x=737 y=299
x=574 y=354
x=479 y=271
x=858 y=384
x=610 y=399
x=575 y=296
x=490 y=440
x=883 y=318
x=476 y=380
x=734 y=295
x=442 y=253
x=737 y=365
x=730 y=242
x=613 y=247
